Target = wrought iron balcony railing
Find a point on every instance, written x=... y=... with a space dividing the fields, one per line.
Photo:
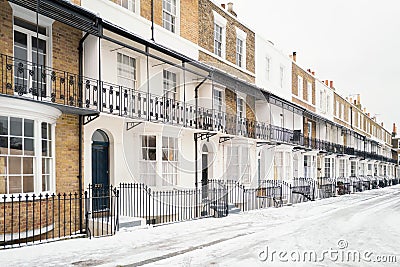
x=29 y=80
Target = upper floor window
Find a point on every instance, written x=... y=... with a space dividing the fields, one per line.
x=281 y=76
x=342 y=111
x=169 y=84
x=128 y=4
x=337 y=109
x=218 y=40
x=241 y=48
x=219 y=34
x=241 y=108
x=218 y=100
x=169 y=15
x=126 y=71
x=328 y=104
x=32 y=54
x=300 y=86
x=309 y=92
x=239 y=52
x=268 y=68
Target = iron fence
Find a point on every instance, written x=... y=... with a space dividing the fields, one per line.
x=30 y=219
x=326 y=187
x=343 y=185
x=166 y=206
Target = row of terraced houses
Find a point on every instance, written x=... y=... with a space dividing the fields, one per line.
x=122 y=112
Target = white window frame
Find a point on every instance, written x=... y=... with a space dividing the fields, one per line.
x=145 y=176
x=241 y=104
x=45 y=22
x=309 y=92
x=123 y=69
x=267 y=68
x=281 y=76
x=242 y=36
x=175 y=16
x=37 y=157
x=236 y=164
x=218 y=101
x=133 y=5
x=300 y=83
x=342 y=111
x=170 y=166
x=170 y=85
x=221 y=22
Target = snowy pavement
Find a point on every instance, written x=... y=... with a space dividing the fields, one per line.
x=366 y=223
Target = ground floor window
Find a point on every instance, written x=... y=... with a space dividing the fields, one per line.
x=170 y=160
x=342 y=167
x=238 y=163
x=148 y=162
x=26 y=155
x=353 y=169
x=309 y=166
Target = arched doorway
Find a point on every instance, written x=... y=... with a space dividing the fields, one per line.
x=204 y=171
x=100 y=170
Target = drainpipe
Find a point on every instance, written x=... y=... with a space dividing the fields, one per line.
x=80 y=48
x=152 y=20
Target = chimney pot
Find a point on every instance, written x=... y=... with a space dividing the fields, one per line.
x=326 y=82
x=331 y=84
x=294 y=56
x=359 y=99
x=394 y=129
x=309 y=70
x=313 y=73
x=230 y=9
x=355 y=102
x=223 y=6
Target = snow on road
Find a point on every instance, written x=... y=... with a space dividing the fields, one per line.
x=362 y=222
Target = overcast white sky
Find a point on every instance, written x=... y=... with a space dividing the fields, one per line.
x=355 y=43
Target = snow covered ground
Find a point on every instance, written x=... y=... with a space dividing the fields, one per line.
x=365 y=223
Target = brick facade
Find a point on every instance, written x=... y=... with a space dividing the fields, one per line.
x=206 y=32
x=64 y=53
x=307 y=78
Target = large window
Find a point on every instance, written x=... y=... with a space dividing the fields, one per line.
x=169 y=84
x=328 y=168
x=238 y=163
x=126 y=71
x=27 y=48
x=309 y=92
x=300 y=87
x=309 y=166
x=169 y=15
x=353 y=169
x=241 y=108
x=267 y=68
x=218 y=31
x=342 y=168
x=170 y=160
x=128 y=4
x=20 y=156
x=218 y=100
x=239 y=52
x=148 y=163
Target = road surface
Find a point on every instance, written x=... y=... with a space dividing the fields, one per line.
x=361 y=229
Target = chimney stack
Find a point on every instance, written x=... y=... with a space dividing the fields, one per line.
x=358 y=99
x=331 y=84
x=326 y=82
x=230 y=9
x=394 y=133
x=351 y=100
x=294 y=56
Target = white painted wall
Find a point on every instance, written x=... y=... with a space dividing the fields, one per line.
x=265 y=49
x=134 y=23
x=327 y=102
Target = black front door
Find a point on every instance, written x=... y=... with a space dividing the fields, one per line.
x=100 y=176
x=204 y=175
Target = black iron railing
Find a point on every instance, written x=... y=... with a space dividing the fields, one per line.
x=30 y=219
x=166 y=206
